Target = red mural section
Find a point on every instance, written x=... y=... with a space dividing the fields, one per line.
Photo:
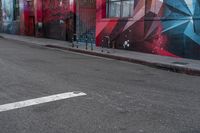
x=154 y=40
x=120 y=30
x=57 y=19
x=47 y=18
x=140 y=32
x=38 y=13
x=29 y=18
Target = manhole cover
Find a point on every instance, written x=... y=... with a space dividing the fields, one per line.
x=180 y=63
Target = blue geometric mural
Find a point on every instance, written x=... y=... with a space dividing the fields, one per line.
x=186 y=15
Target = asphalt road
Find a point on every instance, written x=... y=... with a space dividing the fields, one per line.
x=121 y=97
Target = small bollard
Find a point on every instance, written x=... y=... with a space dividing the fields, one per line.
x=91 y=44
x=77 y=41
x=72 y=42
x=86 y=42
x=102 y=45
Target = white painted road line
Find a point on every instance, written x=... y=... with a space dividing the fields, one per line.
x=31 y=102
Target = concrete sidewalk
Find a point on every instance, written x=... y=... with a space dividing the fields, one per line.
x=180 y=65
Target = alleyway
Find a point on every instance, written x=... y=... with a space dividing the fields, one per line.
x=121 y=97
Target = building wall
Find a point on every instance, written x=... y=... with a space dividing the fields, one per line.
x=55 y=16
x=160 y=27
x=61 y=19
x=38 y=13
x=41 y=18
x=0 y=16
x=8 y=25
x=24 y=25
x=0 y=10
x=28 y=19
x=86 y=19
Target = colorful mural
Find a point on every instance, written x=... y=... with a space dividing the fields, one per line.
x=9 y=24
x=28 y=18
x=56 y=14
x=162 y=27
x=7 y=9
x=7 y=15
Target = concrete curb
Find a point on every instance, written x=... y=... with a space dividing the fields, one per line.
x=173 y=68
x=168 y=67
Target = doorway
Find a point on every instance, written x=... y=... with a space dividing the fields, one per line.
x=70 y=26
x=31 y=26
x=30 y=19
